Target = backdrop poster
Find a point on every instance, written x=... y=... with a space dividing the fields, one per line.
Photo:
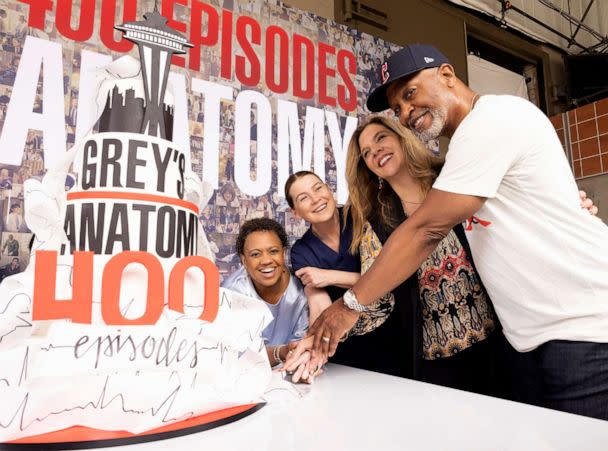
x=265 y=90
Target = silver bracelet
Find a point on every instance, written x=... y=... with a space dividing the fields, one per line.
x=276 y=354
x=350 y=301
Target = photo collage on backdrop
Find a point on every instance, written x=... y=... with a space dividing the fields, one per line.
x=228 y=207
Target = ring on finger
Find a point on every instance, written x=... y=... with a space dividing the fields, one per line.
x=325 y=339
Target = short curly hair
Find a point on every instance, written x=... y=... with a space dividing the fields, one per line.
x=260 y=225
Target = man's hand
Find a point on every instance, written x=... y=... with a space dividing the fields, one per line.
x=333 y=324
x=587 y=203
x=318 y=278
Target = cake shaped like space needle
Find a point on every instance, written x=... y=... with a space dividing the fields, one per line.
x=157 y=42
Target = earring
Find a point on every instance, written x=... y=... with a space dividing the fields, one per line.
x=380 y=183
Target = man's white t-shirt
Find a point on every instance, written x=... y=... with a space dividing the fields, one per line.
x=542 y=258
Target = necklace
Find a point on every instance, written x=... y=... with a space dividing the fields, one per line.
x=409 y=210
x=473 y=102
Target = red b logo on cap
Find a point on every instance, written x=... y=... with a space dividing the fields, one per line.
x=384 y=74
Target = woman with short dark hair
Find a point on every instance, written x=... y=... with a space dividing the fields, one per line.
x=261 y=245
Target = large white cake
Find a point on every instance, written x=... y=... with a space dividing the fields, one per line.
x=103 y=329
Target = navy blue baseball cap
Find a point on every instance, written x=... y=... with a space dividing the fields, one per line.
x=407 y=61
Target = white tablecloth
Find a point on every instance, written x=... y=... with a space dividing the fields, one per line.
x=350 y=409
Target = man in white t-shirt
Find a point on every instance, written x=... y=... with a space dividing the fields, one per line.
x=543 y=259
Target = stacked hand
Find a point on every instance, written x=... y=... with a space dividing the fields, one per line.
x=300 y=363
x=323 y=336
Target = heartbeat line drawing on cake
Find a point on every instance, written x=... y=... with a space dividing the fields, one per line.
x=118 y=323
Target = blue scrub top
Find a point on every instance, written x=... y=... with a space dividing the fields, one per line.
x=290 y=314
x=311 y=251
x=379 y=350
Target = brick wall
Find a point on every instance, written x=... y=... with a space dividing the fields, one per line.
x=587 y=136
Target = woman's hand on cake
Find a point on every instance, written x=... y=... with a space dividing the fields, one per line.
x=302 y=371
x=299 y=353
x=297 y=349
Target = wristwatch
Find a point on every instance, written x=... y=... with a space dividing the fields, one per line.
x=350 y=300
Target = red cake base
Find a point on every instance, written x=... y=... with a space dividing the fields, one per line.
x=78 y=437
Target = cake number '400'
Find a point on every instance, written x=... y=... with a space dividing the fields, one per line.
x=79 y=308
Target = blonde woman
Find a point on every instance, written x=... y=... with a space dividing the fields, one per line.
x=389 y=172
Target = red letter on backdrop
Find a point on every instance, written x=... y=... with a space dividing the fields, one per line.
x=46 y=306
x=300 y=41
x=108 y=20
x=110 y=293
x=283 y=64
x=196 y=29
x=325 y=73
x=38 y=9
x=241 y=36
x=226 y=66
x=167 y=11
x=212 y=286
x=85 y=22
x=347 y=65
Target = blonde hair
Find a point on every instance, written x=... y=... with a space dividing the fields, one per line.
x=365 y=196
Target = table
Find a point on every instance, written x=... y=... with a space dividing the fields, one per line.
x=351 y=409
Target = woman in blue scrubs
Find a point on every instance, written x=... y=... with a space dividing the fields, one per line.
x=261 y=245
x=323 y=262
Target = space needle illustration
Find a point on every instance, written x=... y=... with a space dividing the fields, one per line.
x=157 y=42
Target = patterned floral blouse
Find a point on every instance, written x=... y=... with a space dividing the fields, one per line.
x=456 y=311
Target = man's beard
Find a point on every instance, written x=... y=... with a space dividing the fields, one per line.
x=437 y=125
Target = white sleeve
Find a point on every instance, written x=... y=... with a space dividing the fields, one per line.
x=483 y=149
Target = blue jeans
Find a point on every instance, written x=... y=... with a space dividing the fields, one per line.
x=574 y=377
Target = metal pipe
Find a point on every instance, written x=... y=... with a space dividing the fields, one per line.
x=584 y=100
x=542 y=24
x=582 y=20
x=574 y=20
x=594 y=47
